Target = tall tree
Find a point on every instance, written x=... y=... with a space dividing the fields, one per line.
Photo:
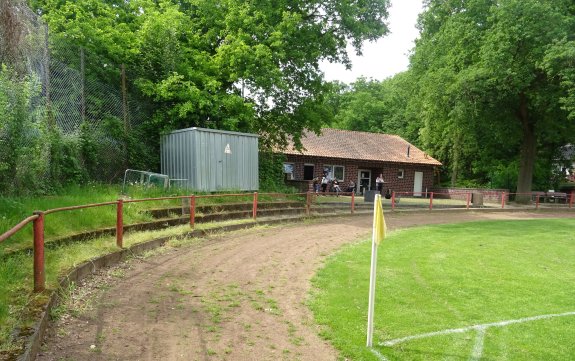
x=484 y=81
x=228 y=64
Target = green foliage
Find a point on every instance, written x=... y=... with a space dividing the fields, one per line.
x=231 y=65
x=271 y=173
x=494 y=85
x=23 y=161
x=376 y=106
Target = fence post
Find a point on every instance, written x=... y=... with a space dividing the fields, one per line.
x=39 y=268
x=571 y=200
x=537 y=201
x=120 y=223
x=192 y=211
x=468 y=199
x=393 y=200
x=255 y=207
x=307 y=203
x=352 y=202
x=502 y=200
x=430 y=201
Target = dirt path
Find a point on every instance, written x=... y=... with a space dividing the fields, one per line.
x=237 y=296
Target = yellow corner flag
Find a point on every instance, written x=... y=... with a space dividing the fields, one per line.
x=378 y=221
x=377 y=237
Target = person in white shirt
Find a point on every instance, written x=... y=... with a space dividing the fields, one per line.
x=379 y=183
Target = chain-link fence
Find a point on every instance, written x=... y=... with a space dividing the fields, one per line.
x=64 y=88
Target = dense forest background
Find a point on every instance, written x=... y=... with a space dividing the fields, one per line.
x=87 y=87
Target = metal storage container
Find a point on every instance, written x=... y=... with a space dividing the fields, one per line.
x=211 y=160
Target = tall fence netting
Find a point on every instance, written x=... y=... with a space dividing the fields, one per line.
x=65 y=88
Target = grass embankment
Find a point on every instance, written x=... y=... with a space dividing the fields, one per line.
x=453 y=276
x=62 y=224
x=16 y=278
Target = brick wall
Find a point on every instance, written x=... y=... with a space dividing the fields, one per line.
x=489 y=195
x=389 y=171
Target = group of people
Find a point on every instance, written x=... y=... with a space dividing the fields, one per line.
x=330 y=184
x=326 y=184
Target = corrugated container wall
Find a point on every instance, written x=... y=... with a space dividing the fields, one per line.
x=211 y=160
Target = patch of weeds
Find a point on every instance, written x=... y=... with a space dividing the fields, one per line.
x=296 y=341
x=118 y=273
x=154 y=300
x=100 y=338
x=211 y=352
x=247 y=326
x=212 y=328
x=257 y=306
x=273 y=307
x=62 y=333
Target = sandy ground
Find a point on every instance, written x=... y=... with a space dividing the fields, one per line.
x=236 y=296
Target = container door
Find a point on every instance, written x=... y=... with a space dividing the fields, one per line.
x=418 y=184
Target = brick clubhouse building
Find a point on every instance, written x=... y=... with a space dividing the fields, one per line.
x=360 y=157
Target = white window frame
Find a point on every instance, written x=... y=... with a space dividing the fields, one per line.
x=332 y=168
x=290 y=176
x=400 y=173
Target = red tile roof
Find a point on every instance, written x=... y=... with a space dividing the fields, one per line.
x=347 y=144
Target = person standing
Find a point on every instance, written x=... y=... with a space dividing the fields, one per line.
x=324 y=183
x=379 y=183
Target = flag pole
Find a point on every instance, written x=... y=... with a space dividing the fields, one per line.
x=376 y=203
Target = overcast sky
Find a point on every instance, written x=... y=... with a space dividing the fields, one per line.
x=387 y=56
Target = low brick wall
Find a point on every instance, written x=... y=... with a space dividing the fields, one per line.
x=489 y=195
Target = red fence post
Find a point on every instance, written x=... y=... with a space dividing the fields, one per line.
x=255 y=207
x=502 y=200
x=120 y=223
x=192 y=211
x=352 y=202
x=393 y=200
x=307 y=203
x=430 y=201
x=39 y=269
x=537 y=202
x=468 y=199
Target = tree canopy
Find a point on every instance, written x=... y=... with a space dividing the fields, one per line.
x=489 y=91
x=227 y=64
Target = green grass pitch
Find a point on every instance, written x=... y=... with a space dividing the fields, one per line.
x=491 y=290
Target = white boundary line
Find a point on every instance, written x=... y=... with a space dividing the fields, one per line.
x=481 y=330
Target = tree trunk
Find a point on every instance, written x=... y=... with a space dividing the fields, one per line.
x=528 y=150
x=455 y=162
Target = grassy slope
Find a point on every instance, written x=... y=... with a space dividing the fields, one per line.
x=442 y=277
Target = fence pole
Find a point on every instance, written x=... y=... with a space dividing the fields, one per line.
x=430 y=201
x=307 y=203
x=537 y=201
x=39 y=268
x=192 y=211
x=502 y=200
x=120 y=223
x=468 y=199
x=352 y=202
x=571 y=200
x=255 y=206
x=393 y=200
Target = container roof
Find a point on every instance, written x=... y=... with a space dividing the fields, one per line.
x=196 y=129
